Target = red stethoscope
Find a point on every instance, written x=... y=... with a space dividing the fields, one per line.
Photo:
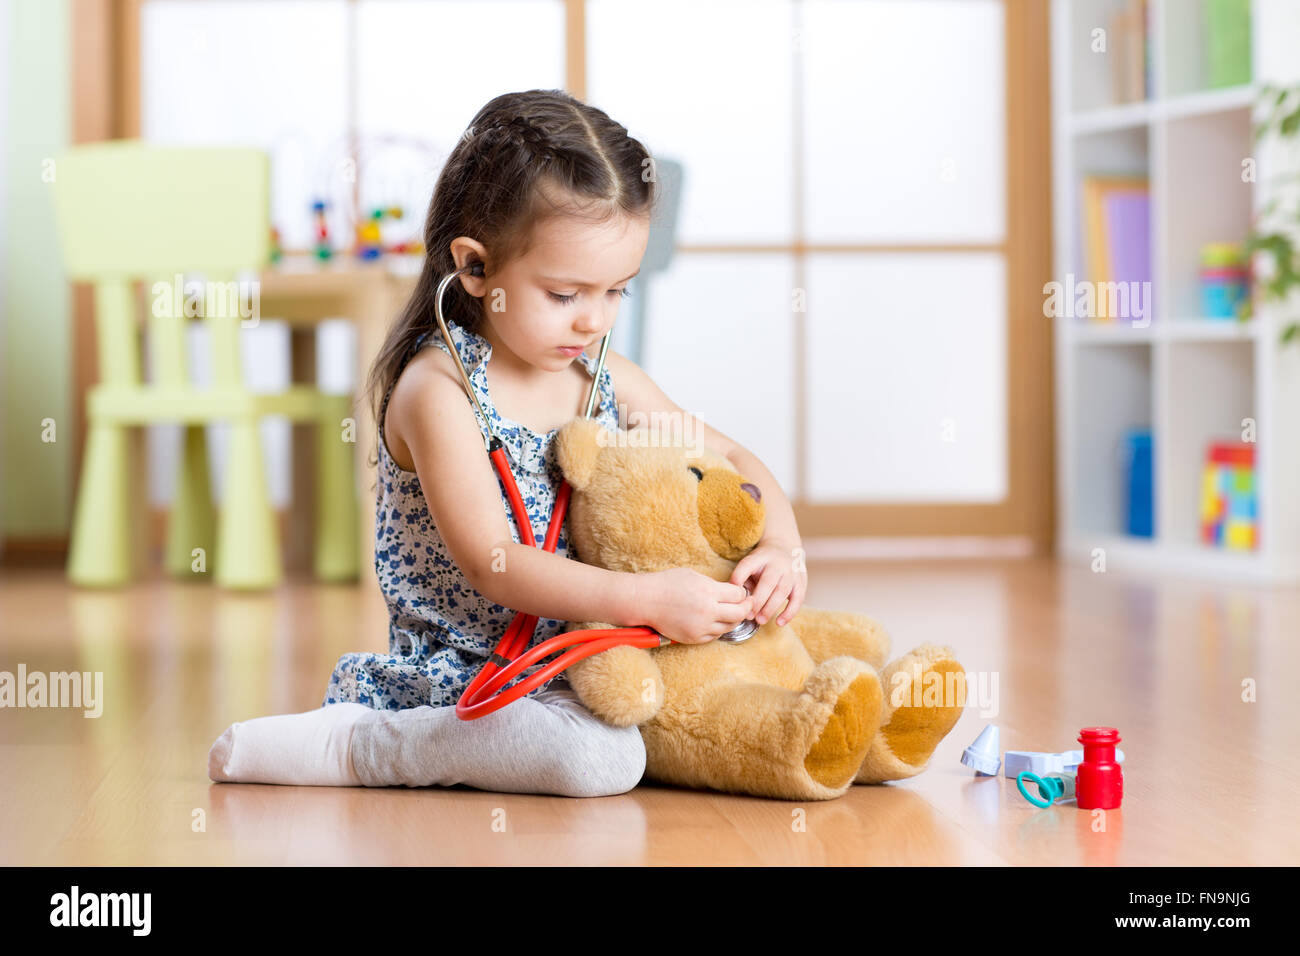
x=488 y=692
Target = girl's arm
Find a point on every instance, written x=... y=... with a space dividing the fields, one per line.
x=778 y=558
x=431 y=415
x=780 y=528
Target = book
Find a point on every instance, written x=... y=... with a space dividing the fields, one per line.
x=1117 y=232
x=1129 y=52
x=1127 y=215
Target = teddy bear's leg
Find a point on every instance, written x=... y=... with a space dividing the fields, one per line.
x=925 y=691
x=771 y=741
x=828 y=634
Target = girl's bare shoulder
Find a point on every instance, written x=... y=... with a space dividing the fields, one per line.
x=429 y=380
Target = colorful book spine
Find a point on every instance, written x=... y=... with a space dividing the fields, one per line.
x=1117 y=236
x=1127 y=216
x=1227 y=45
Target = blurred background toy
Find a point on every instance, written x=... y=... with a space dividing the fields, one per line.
x=370 y=243
x=323 y=250
x=1225 y=280
x=370 y=239
x=1229 y=516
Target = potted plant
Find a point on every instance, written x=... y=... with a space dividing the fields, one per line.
x=1271 y=244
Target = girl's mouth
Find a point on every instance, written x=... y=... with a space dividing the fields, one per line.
x=571 y=351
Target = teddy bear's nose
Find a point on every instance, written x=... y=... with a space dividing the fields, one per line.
x=752 y=491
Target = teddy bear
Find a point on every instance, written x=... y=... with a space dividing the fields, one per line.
x=800 y=711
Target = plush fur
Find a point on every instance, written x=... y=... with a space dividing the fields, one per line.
x=799 y=712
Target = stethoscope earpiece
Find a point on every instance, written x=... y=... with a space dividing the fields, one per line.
x=476 y=270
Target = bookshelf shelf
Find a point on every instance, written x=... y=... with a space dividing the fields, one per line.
x=1108 y=118
x=1186 y=105
x=1125 y=554
x=1209 y=330
x=1208 y=102
x=1103 y=333
x=1190 y=379
x=1178 y=330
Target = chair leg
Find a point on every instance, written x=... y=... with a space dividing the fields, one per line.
x=248 y=539
x=337 y=550
x=191 y=523
x=101 y=552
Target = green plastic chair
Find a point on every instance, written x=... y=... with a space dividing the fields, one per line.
x=128 y=211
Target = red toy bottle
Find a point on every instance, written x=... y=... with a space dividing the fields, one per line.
x=1100 y=781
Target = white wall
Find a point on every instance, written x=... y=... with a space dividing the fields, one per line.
x=5 y=58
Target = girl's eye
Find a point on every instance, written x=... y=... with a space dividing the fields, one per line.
x=625 y=292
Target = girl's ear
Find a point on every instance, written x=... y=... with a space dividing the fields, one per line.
x=464 y=251
x=577 y=447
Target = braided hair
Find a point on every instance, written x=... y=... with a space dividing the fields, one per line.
x=525 y=156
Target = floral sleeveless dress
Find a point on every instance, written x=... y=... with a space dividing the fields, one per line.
x=441 y=630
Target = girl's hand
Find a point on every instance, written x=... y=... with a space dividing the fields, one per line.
x=691 y=608
x=772 y=563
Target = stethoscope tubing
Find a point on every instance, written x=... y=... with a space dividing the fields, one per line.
x=487 y=692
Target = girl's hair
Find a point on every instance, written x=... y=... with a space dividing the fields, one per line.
x=490 y=189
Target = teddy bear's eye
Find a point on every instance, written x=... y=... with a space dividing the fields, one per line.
x=699 y=475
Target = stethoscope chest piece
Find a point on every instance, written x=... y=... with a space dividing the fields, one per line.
x=740 y=633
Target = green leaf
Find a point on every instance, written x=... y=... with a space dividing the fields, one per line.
x=1290 y=123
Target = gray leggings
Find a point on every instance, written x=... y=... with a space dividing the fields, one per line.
x=547 y=743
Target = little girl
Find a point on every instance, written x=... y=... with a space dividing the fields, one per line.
x=555 y=199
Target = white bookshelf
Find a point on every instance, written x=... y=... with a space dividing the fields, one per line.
x=1188 y=378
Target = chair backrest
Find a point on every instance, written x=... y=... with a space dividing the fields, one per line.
x=130 y=210
x=658 y=255
x=127 y=210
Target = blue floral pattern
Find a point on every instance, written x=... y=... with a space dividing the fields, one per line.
x=441 y=630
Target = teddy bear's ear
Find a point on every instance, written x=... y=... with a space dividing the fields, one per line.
x=577 y=447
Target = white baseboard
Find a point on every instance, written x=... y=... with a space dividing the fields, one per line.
x=920 y=547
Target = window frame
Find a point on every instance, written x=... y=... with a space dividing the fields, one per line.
x=1028 y=510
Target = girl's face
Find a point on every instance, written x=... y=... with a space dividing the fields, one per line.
x=565 y=291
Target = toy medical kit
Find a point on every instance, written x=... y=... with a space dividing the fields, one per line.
x=982 y=755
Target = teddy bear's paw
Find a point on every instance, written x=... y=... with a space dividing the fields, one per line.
x=622 y=686
x=925 y=691
x=846 y=694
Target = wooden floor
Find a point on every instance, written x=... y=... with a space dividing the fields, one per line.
x=1209 y=779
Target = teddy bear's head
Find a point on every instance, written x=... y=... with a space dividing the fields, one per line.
x=641 y=504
